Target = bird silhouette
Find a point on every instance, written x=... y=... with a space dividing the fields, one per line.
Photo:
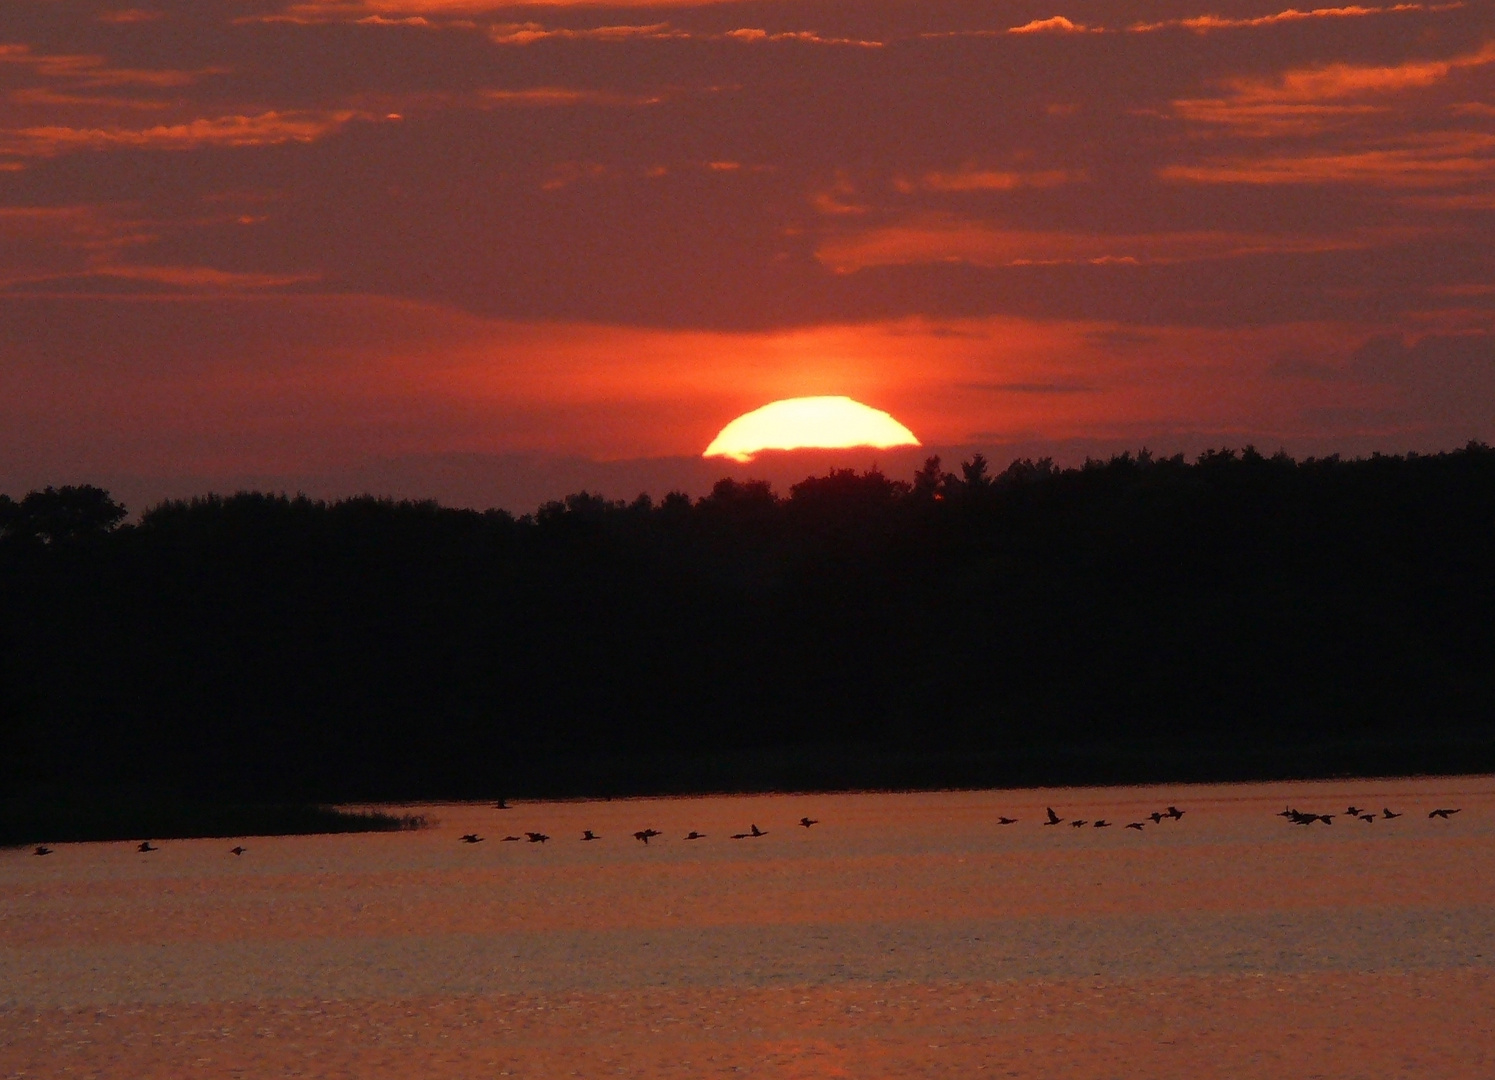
x=693 y=835
x=1156 y=817
x=508 y=839
x=1287 y=812
x=237 y=850
x=536 y=837
x=1054 y=819
x=471 y=838
x=1387 y=814
x=1327 y=819
x=1299 y=818
x=588 y=834
x=758 y=832
x=1175 y=813
x=145 y=845
x=645 y=834
x=1442 y=813
x=1366 y=817
x=1134 y=825
x=1102 y=824
x=1006 y=821
x=1079 y=823
x=1353 y=811
x=42 y=850
x=807 y=822
x=749 y=835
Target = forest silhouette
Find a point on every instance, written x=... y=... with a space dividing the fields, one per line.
x=1136 y=619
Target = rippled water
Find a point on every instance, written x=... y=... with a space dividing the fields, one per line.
x=904 y=935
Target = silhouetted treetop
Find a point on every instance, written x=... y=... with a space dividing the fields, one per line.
x=60 y=515
x=1145 y=607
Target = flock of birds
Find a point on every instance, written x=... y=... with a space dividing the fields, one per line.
x=1157 y=817
x=1299 y=817
x=643 y=835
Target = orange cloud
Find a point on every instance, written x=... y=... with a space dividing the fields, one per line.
x=943 y=238
x=45 y=243
x=839 y=199
x=41 y=96
x=131 y=15
x=972 y=178
x=1349 y=80
x=1306 y=101
x=1248 y=99
x=1056 y=24
x=806 y=37
x=266 y=129
x=527 y=33
x=1202 y=24
x=564 y=95
x=1428 y=160
x=352 y=10
x=53 y=246
x=89 y=70
x=202 y=278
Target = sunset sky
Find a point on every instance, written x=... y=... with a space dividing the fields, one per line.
x=496 y=252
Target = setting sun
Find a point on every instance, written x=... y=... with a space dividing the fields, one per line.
x=808 y=422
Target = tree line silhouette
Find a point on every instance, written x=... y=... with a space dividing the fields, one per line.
x=1140 y=618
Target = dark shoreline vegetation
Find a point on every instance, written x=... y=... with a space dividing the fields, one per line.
x=57 y=820
x=1134 y=620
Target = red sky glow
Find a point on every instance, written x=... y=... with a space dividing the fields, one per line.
x=477 y=250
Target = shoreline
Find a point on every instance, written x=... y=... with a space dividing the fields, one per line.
x=54 y=817
x=56 y=821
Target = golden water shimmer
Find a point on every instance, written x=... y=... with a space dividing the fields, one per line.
x=903 y=935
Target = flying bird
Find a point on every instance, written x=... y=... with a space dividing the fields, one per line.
x=1156 y=817
x=1366 y=817
x=1288 y=812
x=1353 y=811
x=807 y=822
x=42 y=850
x=1175 y=813
x=239 y=850
x=1134 y=825
x=1442 y=813
x=645 y=834
x=1007 y=821
x=536 y=837
x=693 y=835
x=1054 y=819
x=145 y=845
x=471 y=838
x=1102 y=824
x=1079 y=823
x=508 y=839
x=1327 y=819
x=1387 y=815
x=588 y=834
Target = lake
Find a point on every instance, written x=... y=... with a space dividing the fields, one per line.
x=904 y=935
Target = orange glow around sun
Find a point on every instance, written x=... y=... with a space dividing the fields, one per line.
x=808 y=422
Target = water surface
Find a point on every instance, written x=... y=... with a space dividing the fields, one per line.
x=904 y=935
